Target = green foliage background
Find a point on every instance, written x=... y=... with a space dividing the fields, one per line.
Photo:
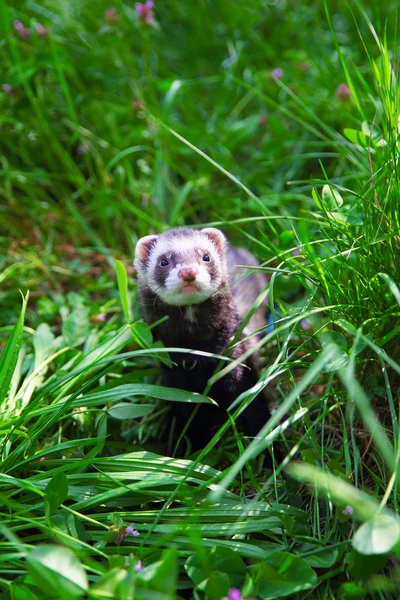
x=112 y=129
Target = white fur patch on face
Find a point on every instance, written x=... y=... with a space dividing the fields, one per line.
x=175 y=291
x=180 y=245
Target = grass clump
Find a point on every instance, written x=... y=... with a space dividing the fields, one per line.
x=280 y=126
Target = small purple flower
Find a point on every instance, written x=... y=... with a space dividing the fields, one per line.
x=295 y=252
x=101 y=317
x=343 y=91
x=277 y=74
x=24 y=32
x=41 y=30
x=348 y=510
x=305 y=324
x=139 y=567
x=144 y=11
x=6 y=87
x=131 y=529
x=234 y=594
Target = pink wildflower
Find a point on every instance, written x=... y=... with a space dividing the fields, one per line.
x=100 y=318
x=111 y=15
x=144 y=11
x=234 y=594
x=304 y=66
x=6 y=87
x=343 y=91
x=277 y=73
x=42 y=31
x=24 y=32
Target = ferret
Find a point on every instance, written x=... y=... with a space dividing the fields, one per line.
x=191 y=276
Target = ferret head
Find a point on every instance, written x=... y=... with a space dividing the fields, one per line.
x=182 y=266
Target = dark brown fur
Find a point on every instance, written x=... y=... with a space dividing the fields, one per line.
x=215 y=324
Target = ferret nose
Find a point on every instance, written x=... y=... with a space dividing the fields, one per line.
x=188 y=273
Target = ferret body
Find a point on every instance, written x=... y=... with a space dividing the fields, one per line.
x=191 y=277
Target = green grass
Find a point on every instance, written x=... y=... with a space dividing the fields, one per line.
x=113 y=130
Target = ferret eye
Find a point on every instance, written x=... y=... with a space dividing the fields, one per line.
x=164 y=262
x=206 y=258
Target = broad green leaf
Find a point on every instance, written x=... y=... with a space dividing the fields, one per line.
x=282 y=574
x=112 y=585
x=378 y=535
x=331 y=198
x=338 y=360
x=56 y=492
x=227 y=561
x=287 y=521
x=57 y=570
x=128 y=410
x=9 y=356
x=22 y=591
x=337 y=216
x=216 y=586
x=76 y=326
x=196 y=568
x=324 y=558
x=70 y=524
x=333 y=337
x=362 y=566
x=221 y=560
x=162 y=575
x=358 y=137
x=359 y=343
x=43 y=343
x=122 y=279
x=370 y=130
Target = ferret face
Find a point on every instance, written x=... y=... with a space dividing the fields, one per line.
x=182 y=266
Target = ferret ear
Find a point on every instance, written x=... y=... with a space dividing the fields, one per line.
x=217 y=237
x=144 y=246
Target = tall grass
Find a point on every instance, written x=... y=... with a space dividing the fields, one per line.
x=112 y=129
